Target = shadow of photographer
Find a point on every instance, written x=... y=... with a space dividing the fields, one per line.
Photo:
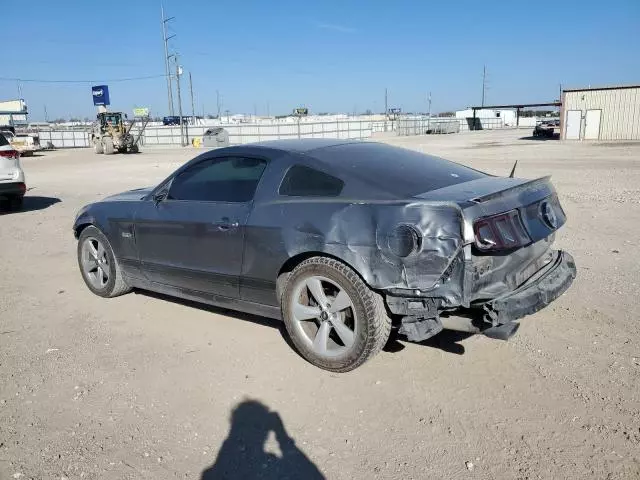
x=243 y=455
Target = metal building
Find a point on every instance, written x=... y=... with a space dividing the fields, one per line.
x=607 y=113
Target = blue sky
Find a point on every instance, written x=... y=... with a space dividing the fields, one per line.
x=327 y=55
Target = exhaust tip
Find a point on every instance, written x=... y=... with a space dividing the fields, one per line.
x=502 y=332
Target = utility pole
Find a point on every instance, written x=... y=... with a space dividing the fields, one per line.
x=268 y=114
x=46 y=117
x=178 y=73
x=386 y=110
x=193 y=108
x=167 y=70
x=218 y=103
x=484 y=82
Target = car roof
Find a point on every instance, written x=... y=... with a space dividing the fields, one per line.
x=302 y=145
x=376 y=167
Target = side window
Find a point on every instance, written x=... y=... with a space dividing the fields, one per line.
x=232 y=179
x=301 y=181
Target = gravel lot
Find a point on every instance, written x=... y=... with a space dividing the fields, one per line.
x=144 y=387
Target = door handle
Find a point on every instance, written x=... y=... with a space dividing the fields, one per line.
x=226 y=224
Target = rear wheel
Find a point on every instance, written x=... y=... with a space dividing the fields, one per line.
x=334 y=319
x=135 y=148
x=108 y=145
x=98 y=147
x=98 y=265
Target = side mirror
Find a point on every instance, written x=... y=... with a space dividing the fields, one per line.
x=160 y=196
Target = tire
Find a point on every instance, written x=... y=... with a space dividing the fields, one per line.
x=365 y=313
x=98 y=147
x=134 y=149
x=16 y=203
x=107 y=265
x=108 y=145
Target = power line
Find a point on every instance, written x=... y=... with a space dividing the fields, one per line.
x=112 y=80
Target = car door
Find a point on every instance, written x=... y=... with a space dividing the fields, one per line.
x=191 y=235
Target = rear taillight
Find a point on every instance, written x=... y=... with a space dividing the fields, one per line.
x=500 y=232
x=9 y=153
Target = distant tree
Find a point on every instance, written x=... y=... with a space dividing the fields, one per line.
x=447 y=114
x=211 y=117
x=74 y=119
x=59 y=120
x=368 y=112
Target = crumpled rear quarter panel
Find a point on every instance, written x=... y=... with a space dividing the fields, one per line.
x=357 y=233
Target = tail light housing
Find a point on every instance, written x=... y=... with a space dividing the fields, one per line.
x=9 y=154
x=504 y=231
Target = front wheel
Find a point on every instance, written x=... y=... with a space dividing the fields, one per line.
x=97 y=146
x=98 y=265
x=334 y=319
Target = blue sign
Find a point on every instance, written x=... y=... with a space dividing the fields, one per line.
x=100 y=95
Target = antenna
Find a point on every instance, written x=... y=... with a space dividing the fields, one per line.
x=513 y=170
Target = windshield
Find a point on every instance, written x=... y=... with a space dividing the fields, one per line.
x=112 y=119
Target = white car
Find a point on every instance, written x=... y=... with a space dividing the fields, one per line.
x=12 y=185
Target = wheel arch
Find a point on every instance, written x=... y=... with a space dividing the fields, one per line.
x=77 y=229
x=292 y=262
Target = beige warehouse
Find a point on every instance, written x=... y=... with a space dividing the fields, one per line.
x=607 y=113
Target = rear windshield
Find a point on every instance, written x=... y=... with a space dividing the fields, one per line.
x=395 y=170
x=3 y=141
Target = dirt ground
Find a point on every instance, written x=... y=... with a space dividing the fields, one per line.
x=143 y=387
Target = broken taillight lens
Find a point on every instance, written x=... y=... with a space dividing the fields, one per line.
x=500 y=232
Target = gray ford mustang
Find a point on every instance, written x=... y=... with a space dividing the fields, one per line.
x=343 y=240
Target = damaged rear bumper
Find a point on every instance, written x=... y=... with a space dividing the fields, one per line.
x=535 y=294
x=496 y=318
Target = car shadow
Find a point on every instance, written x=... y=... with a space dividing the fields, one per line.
x=556 y=136
x=243 y=454
x=447 y=340
x=247 y=317
x=30 y=204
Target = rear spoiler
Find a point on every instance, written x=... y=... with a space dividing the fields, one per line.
x=530 y=185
